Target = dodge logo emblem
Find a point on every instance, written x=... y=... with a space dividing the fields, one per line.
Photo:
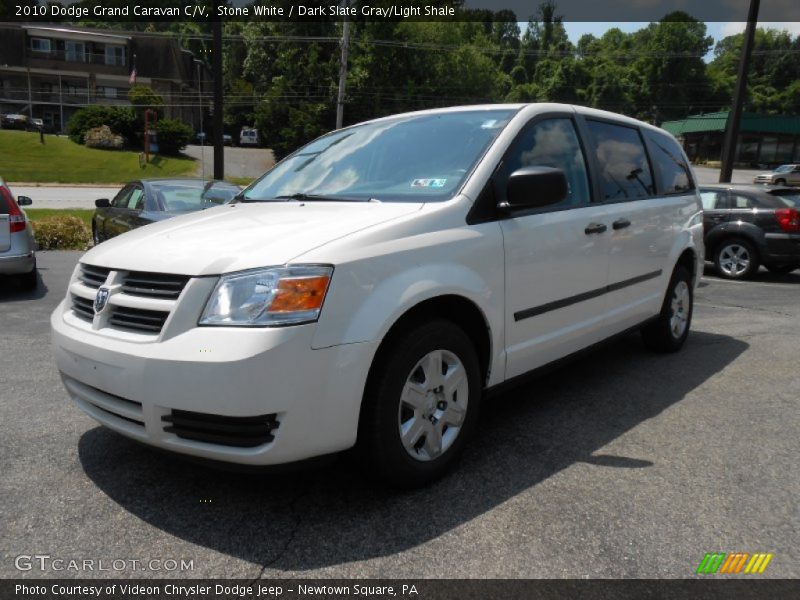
x=100 y=300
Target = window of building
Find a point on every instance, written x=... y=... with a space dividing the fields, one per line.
x=74 y=51
x=40 y=45
x=784 y=152
x=109 y=92
x=674 y=174
x=115 y=55
x=624 y=169
x=552 y=143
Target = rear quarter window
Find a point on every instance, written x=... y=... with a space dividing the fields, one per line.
x=672 y=171
x=624 y=169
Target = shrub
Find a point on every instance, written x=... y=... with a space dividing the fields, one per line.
x=122 y=121
x=173 y=136
x=61 y=233
x=102 y=137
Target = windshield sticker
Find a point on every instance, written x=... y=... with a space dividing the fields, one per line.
x=433 y=183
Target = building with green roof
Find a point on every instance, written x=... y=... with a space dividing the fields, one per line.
x=763 y=139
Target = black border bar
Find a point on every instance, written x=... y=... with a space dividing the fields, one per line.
x=582 y=297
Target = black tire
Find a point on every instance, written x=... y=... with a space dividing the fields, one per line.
x=380 y=446
x=780 y=182
x=733 y=246
x=660 y=335
x=29 y=281
x=782 y=269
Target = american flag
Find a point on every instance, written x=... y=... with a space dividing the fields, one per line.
x=132 y=78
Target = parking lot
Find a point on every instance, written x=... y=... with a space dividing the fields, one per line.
x=620 y=464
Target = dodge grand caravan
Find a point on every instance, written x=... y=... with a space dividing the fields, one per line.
x=370 y=288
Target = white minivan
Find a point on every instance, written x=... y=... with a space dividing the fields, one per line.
x=372 y=287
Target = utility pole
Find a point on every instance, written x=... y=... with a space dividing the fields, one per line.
x=735 y=116
x=216 y=65
x=345 y=44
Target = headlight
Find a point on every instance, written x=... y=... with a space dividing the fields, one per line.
x=263 y=297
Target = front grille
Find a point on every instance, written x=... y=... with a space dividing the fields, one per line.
x=92 y=276
x=242 y=432
x=82 y=307
x=137 y=319
x=153 y=285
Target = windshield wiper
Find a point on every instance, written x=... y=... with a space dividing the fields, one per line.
x=302 y=197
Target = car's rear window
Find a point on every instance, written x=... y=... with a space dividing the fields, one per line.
x=4 y=206
x=789 y=197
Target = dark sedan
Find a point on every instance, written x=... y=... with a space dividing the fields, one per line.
x=151 y=200
x=747 y=226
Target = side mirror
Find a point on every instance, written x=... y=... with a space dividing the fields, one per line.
x=102 y=203
x=24 y=201
x=534 y=187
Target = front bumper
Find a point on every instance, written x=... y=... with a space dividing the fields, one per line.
x=313 y=396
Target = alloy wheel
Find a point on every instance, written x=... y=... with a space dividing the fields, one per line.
x=734 y=260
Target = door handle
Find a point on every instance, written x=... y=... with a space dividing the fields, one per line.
x=620 y=224
x=594 y=228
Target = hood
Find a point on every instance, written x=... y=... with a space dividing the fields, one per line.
x=235 y=237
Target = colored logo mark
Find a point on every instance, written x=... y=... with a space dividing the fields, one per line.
x=736 y=562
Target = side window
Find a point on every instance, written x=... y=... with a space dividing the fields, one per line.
x=713 y=200
x=624 y=170
x=136 y=200
x=552 y=143
x=121 y=199
x=674 y=174
x=738 y=201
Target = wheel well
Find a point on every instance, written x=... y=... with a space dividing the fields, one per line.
x=688 y=260
x=457 y=309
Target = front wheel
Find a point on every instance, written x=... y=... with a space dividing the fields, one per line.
x=668 y=332
x=780 y=182
x=420 y=404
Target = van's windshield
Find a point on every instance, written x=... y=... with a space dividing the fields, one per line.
x=410 y=158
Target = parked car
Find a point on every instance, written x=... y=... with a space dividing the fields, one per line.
x=17 y=246
x=14 y=121
x=201 y=137
x=227 y=139
x=783 y=175
x=36 y=124
x=370 y=288
x=751 y=225
x=248 y=136
x=150 y=200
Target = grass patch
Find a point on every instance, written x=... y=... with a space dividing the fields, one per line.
x=37 y=214
x=60 y=160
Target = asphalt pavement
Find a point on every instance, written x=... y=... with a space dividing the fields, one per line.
x=623 y=463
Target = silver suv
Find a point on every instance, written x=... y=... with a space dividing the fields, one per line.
x=783 y=175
